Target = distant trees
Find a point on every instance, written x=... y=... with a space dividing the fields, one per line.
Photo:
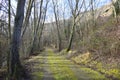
x=5 y=32
x=43 y=22
x=39 y=24
x=34 y=44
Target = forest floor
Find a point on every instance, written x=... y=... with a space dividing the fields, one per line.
x=49 y=65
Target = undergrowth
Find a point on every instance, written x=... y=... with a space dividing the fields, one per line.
x=89 y=60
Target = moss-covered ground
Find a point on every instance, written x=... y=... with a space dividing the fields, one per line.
x=51 y=66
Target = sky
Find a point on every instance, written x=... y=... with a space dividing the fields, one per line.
x=50 y=14
x=62 y=3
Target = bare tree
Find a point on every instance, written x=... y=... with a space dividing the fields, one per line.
x=36 y=27
x=43 y=21
x=28 y=13
x=15 y=64
x=75 y=10
x=9 y=27
x=55 y=8
x=9 y=16
x=25 y=26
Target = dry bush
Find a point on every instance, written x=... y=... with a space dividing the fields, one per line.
x=3 y=50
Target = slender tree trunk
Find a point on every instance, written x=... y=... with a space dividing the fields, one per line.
x=57 y=25
x=15 y=61
x=42 y=26
x=9 y=16
x=75 y=12
x=36 y=29
x=25 y=25
x=28 y=13
x=9 y=27
x=71 y=36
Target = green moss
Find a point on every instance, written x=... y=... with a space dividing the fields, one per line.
x=58 y=65
x=114 y=72
x=63 y=69
x=107 y=69
x=38 y=75
x=94 y=74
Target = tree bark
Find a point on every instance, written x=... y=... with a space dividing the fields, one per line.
x=9 y=39
x=71 y=36
x=15 y=61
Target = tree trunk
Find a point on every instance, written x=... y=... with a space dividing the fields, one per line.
x=42 y=25
x=15 y=61
x=71 y=37
x=36 y=30
x=57 y=25
x=9 y=40
x=26 y=20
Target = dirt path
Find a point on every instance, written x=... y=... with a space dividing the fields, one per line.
x=50 y=66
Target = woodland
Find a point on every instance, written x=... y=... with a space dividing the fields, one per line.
x=59 y=39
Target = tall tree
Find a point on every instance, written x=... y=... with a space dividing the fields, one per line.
x=75 y=13
x=9 y=16
x=36 y=29
x=28 y=13
x=9 y=28
x=55 y=8
x=43 y=21
x=15 y=64
x=26 y=25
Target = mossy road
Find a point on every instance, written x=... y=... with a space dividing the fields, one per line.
x=51 y=66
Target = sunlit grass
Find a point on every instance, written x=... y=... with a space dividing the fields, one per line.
x=59 y=67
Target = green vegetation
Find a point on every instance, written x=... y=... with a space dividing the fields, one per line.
x=87 y=60
x=37 y=75
x=93 y=74
x=60 y=68
x=60 y=41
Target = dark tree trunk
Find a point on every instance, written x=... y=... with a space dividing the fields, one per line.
x=71 y=37
x=15 y=61
x=9 y=27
